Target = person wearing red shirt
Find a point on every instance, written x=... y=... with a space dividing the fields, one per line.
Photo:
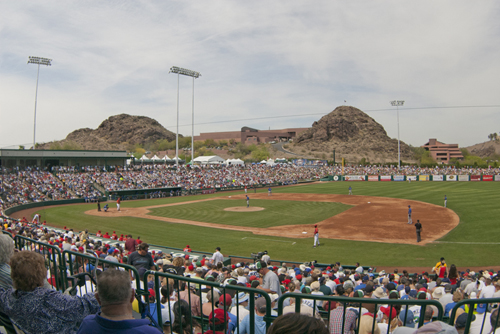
x=114 y=236
x=120 y=238
x=106 y=236
x=187 y=249
x=138 y=241
x=98 y=234
x=130 y=244
x=118 y=200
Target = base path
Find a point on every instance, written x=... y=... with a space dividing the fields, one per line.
x=378 y=219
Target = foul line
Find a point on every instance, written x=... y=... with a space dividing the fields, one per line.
x=267 y=240
x=466 y=242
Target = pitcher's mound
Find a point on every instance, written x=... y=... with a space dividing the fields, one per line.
x=244 y=209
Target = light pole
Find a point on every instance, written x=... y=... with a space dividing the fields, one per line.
x=194 y=75
x=39 y=61
x=397 y=104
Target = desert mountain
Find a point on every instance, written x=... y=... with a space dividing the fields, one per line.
x=116 y=133
x=354 y=135
x=485 y=150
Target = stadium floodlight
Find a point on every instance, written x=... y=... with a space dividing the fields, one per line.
x=397 y=104
x=183 y=71
x=38 y=61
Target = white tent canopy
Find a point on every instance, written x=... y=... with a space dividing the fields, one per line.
x=165 y=157
x=270 y=162
x=208 y=160
x=144 y=157
x=155 y=158
x=234 y=162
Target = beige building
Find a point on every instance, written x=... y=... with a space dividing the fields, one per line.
x=442 y=152
x=249 y=135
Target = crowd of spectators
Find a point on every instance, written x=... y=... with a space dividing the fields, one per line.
x=21 y=187
x=225 y=307
x=32 y=185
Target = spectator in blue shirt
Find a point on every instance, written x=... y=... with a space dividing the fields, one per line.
x=115 y=295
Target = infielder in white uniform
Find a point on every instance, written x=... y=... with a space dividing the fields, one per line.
x=36 y=219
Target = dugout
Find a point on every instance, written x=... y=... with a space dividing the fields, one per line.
x=131 y=194
x=48 y=158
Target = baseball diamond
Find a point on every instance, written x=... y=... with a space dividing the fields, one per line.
x=383 y=215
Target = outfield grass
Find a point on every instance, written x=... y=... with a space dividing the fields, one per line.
x=275 y=213
x=472 y=243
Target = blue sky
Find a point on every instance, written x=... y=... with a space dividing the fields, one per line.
x=280 y=63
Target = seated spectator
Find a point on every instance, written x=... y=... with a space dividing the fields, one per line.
x=35 y=309
x=168 y=300
x=6 y=252
x=218 y=322
x=259 y=323
x=212 y=304
x=115 y=296
x=296 y=323
x=183 y=323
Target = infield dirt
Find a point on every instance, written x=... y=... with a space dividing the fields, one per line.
x=378 y=219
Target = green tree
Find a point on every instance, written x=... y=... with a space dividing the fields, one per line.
x=184 y=142
x=260 y=154
x=139 y=152
x=21 y=147
x=465 y=152
x=209 y=143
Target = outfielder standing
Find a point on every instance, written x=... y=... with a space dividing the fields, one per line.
x=350 y=190
x=248 y=201
x=316 y=236
x=409 y=215
x=445 y=201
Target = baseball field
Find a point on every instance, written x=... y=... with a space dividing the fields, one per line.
x=369 y=227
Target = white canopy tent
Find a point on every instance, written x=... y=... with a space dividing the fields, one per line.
x=234 y=162
x=208 y=160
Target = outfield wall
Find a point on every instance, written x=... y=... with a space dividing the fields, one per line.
x=420 y=177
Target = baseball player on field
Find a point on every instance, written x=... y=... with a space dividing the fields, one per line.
x=316 y=236
x=409 y=215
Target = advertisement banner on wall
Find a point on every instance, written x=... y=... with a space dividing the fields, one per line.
x=475 y=177
x=463 y=178
x=411 y=177
x=497 y=177
x=423 y=177
x=385 y=177
x=337 y=178
x=451 y=178
x=372 y=177
x=399 y=177
x=354 y=177
x=437 y=177
x=487 y=177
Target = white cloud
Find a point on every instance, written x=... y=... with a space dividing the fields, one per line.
x=257 y=59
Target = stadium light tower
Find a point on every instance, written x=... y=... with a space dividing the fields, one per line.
x=39 y=61
x=397 y=104
x=182 y=71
